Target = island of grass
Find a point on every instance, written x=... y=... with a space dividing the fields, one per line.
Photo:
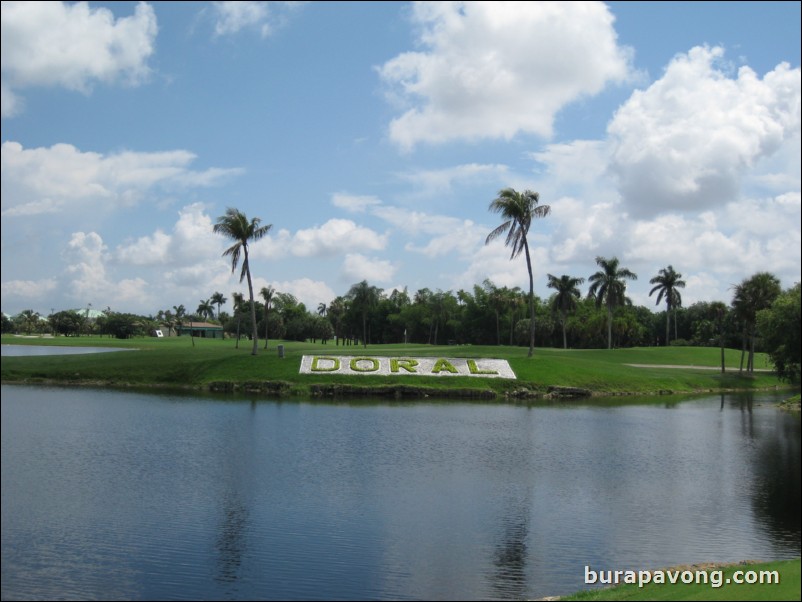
x=217 y=365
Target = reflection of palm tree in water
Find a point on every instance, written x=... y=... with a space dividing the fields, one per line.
x=231 y=540
x=511 y=554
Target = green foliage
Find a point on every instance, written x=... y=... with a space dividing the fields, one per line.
x=123 y=326
x=8 y=325
x=67 y=323
x=780 y=326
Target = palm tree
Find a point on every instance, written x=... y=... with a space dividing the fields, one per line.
x=235 y=225
x=238 y=301
x=29 y=319
x=322 y=310
x=496 y=301
x=267 y=293
x=518 y=209
x=337 y=310
x=564 y=300
x=439 y=309
x=219 y=300
x=608 y=287
x=751 y=295
x=205 y=309
x=363 y=298
x=180 y=314
x=667 y=282
x=719 y=311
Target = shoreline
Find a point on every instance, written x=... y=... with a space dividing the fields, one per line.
x=342 y=391
x=551 y=375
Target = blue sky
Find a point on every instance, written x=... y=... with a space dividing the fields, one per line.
x=373 y=137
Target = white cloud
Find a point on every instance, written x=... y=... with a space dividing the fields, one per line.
x=85 y=257
x=460 y=236
x=580 y=230
x=335 y=236
x=232 y=16
x=582 y=161
x=28 y=289
x=436 y=182
x=354 y=203
x=73 y=46
x=493 y=262
x=309 y=292
x=357 y=267
x=61 y=177
x=493 y=69
x=684 y=143
x=191 y=240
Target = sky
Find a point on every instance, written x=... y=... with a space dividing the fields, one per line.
x=373 y=137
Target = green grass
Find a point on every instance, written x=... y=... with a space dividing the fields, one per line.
x=787 y=589
x=175 y=362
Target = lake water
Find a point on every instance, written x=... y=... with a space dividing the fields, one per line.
x=29 y=350
x=130 y=495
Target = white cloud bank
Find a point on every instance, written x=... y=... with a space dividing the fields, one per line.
x=72 y=46
x=62 y=177
x=494 y=69
x=686 y=142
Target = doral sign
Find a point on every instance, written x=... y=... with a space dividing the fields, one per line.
x=405 y=366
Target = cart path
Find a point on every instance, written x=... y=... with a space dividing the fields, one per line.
x=692 y=367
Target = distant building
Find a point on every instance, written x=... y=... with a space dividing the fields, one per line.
x=203 y=330
x=92 y=314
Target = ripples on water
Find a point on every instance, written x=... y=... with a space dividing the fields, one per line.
x=121 y=495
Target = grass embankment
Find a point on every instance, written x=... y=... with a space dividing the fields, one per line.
x=218 y=364
x=787 y=589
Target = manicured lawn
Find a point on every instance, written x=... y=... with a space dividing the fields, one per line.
x=175 y=362
x=788 y=587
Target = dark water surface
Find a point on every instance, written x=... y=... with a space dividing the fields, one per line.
x=127 y=495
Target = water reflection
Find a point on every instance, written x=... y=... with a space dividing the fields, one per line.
x=511 y=556
x=230 y=543
x=188 y=497
x=776 y=496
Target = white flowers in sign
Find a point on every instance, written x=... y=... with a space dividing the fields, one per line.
x=405 y=366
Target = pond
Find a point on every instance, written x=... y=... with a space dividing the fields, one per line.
x=130 y=495
x=30 y=350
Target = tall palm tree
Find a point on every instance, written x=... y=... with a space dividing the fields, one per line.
x=219 y=300
x=322 y=309
x=667 y=282
x=607 y=287
x=364 y=298
x=719 y=311
x=235 y=225
x=518 y=210
x=267 y=293
x=497 y=302
x=564 y=300
x=336 y=312
x=238 y=301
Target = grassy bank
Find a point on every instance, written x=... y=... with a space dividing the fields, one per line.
x=788 y=587
x=218 y=364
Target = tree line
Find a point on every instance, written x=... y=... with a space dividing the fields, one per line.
x=487 y=314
